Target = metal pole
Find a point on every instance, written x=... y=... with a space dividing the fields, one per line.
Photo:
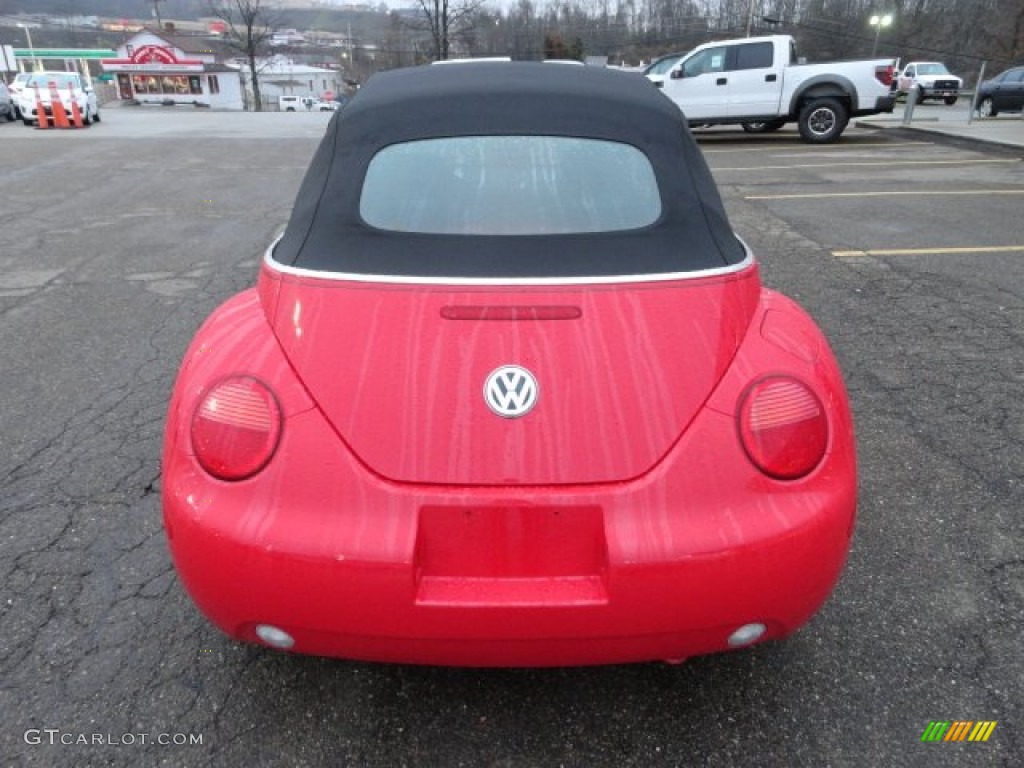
x=974 y=99
x=7 y=63
x=908 y=110
x=750 y=17
x=31 y=49
x=878 y=31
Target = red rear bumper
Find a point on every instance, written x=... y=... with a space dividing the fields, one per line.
x=662 y=568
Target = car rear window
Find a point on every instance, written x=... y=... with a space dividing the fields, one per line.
x=43 y=80
x=510 y=185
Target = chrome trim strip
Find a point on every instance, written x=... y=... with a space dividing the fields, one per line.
x=268 y=259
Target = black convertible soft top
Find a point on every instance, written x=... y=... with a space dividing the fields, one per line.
x=326 y=231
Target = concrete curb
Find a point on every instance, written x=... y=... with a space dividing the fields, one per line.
x=977 y=133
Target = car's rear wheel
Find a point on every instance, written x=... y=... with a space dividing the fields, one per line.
x=96 y=117
x=26 y=121
x=950 y=100
x=87 y=116
x=763 y=126
x=823 y=120
x=987 y=108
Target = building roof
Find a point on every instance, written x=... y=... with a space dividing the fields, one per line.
x=294 y=69
x=63 y=53
x=196 y=44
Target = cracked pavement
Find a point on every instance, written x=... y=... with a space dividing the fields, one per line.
x=120 y=239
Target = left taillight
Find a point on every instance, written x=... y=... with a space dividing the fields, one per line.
x=783 y=426
x=236 y=428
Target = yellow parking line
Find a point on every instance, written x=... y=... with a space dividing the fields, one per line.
x=886 y=163
x=906 y=193
x=931 y=251
x=805 y=150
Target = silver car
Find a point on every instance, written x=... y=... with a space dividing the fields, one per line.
x=6 y=103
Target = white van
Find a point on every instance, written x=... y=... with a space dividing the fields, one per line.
x=295 y=103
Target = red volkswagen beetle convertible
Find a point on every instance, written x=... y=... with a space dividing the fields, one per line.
x=509 y=392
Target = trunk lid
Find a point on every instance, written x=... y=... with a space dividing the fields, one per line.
x=400 y=371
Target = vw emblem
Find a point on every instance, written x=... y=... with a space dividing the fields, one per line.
x=511 y=391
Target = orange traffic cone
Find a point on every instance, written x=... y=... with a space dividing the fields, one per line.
x=60 y=115
x=76 y=113
x=40 y=112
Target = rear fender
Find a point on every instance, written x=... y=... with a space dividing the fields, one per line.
x=235 y=340
x=822 y=86
x=784 y=340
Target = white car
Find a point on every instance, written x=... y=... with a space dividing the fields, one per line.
x=70 y=86
x=15 y=88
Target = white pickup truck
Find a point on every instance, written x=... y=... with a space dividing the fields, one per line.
x=930 y=80
x=756 y=82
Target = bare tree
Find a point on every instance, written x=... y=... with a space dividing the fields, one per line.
x=250 y=25
x=446 y=19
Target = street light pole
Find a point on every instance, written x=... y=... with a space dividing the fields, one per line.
x=878 y=21
x=31 y=49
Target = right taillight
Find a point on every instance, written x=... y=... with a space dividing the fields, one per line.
x=783 y=427
x=236 y=428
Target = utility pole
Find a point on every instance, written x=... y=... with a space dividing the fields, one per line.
x=156 y=12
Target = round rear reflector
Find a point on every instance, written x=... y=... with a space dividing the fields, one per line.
x=236 y=428
x=274 y=636
x=783 y=427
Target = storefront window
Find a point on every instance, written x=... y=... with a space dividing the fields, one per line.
x=168 y=85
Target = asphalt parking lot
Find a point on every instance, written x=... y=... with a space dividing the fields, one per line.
x=121 y=238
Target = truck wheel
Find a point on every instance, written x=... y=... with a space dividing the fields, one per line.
x=823 y=120
x=986 y=107
x=920 y=94
x=763 y=126
x=950 y=100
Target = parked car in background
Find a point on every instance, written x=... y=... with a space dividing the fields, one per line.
x=509 y=391
x=15 y=88
x=758 y=82
x=1003 y=93
x=658 y=69
x=70 y=87
x=292 y=103
x=930 y=80
x=6 y=103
